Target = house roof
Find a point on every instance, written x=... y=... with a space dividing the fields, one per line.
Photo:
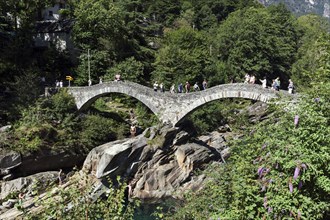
x=54 y=26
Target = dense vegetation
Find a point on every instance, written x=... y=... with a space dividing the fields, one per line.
x=279 y=170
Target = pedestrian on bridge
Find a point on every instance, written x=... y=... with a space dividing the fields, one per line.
x=196 y=87
x=172 y=90
x=204 y=84
x=155 y=86
x=180 y=88
x=264 y=82
x=187 y=87
x=162 y=88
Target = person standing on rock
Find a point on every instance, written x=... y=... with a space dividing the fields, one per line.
x=60 y=177
x=290 y=87
x=133 y=130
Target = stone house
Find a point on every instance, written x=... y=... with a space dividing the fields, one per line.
x=53 y=28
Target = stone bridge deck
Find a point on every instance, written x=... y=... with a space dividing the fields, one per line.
x=171 y=108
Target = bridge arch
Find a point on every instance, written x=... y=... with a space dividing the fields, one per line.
x=86 y=96
x=171 y=108
x=245 y=91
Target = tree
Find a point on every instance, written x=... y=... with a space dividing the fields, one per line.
x=258 y=41
x=209 y=13
x=182 y=57
x=111 y=31
x=312 y=65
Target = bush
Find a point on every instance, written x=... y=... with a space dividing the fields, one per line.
x=279 y=170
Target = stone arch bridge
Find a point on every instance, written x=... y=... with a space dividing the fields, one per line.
x=168 y=107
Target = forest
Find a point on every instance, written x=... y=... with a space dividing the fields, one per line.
x=279 y=170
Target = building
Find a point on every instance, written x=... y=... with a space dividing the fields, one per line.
x=53 y=28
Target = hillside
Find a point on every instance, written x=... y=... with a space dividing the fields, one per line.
x=320 y=7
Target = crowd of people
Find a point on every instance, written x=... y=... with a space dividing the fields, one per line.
x=180 y=88
x=186 y=88
x=276 y=83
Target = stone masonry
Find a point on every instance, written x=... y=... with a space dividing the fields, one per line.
x=170 y=108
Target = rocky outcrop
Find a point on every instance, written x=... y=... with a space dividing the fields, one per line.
x=27 y=184
x=156 y=168
x=46 y=160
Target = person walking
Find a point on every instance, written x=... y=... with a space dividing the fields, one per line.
x=187 y=87
x=180 y=88
x=172 y=90
x=204 y=84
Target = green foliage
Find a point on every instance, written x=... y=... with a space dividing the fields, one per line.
x=97 y=130
x=183 y=57
x=217 y=113
x=313 y=65
x=130 y=70
x=145 y=117
x=256 y=180
x=53 y=123
x=258 y=41
x=74 y=202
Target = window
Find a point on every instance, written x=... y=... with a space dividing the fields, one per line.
x=50 y=13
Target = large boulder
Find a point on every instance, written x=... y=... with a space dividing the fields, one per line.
x=117 y=158
x=28 y=183
x=156 y=168
x=45 y=160
x=9 y=160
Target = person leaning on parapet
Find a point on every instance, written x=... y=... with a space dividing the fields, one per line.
x=247 y=78
x=117 y=77
x=264 y=82
x=252 y=79
x=196 y=87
